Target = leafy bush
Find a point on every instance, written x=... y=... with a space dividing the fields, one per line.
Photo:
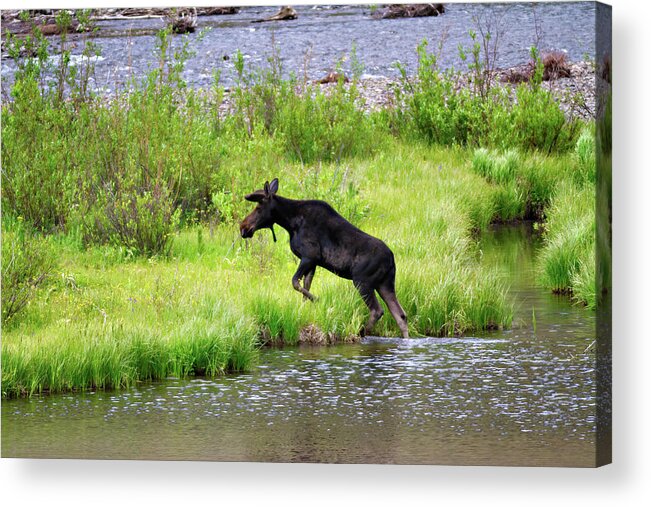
x=27 y=260
x=315 y=127
x=439 y=108
x=37 y=181
x=433 y=109
x=538 y=122
x=141 y=218
x=312 y=125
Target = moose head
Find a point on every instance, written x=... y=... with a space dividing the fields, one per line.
x=261 y=217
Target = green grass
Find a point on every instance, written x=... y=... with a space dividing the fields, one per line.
x=108 y=319
x=567 y=262
x=560 y=192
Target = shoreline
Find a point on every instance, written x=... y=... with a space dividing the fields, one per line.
x=377 y=91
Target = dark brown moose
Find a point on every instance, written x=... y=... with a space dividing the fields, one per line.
x=319 y=236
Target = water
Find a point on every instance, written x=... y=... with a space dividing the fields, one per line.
x=328 y=33
x=519 y=397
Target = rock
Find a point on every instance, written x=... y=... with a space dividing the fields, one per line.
x=395 y=11
x=332 y=77
x=47 y=26
x=153 y=12
x=284 y=14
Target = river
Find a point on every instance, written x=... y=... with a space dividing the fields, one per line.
x=524 y=396
x=322 y=36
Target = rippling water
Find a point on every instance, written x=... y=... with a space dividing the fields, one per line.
x=520 y=397
x=328 y=33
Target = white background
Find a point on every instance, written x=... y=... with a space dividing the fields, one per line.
x=625 y=482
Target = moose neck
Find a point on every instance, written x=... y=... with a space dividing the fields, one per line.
x=287 y=214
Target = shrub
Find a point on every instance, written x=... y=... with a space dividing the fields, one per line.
x=319 y=127
x=433 y=109
x=538 y=121
x=440 y=109
x=37 y=181
x=313 y=125
x=140 y=216
x=27 y=260
x=555 y=65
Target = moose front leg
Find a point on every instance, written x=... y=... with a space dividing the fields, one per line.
x=305 y=269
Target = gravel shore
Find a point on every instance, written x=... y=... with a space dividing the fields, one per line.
x=576 y=94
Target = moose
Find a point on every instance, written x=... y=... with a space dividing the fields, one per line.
x=319 y=236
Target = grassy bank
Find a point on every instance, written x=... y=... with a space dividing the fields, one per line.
x=120 y=242
x=106 y=318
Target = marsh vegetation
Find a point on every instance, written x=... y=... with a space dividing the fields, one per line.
x=121 y=257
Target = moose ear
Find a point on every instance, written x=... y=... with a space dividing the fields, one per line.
x=273 y=186
x=256 y=196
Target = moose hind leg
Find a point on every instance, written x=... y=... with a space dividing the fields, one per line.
x=307 y=281
x=368 y=295
x=389 y=297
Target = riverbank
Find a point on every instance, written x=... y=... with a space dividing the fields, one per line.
x=105 y=320
x=575 y=93
x=120 y=216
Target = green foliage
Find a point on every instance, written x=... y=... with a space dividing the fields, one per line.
x=37 y=182
x=27 y=261
x=141 y=218
x=538 y=122
x=561 y=190
x=437 y=107
x=586 y=156
x=160 y=173
x=567 y=261
x=312 y=124
x=525 y=184
x=433 y=109
x=329 y=128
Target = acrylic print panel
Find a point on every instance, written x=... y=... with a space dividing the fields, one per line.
x=164 y=170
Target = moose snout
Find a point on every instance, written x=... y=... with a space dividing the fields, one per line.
x=246 y=230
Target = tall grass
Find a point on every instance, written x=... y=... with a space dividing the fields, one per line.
x=568 y=258
x=115 y=355
x=559 y=191
x=112 y=319
x=27 y=262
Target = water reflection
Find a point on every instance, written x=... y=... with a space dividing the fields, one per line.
x=520 y=397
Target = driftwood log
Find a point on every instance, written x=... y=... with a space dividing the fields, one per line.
x=182 y=20
x=332 y=77
x=395 y=11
